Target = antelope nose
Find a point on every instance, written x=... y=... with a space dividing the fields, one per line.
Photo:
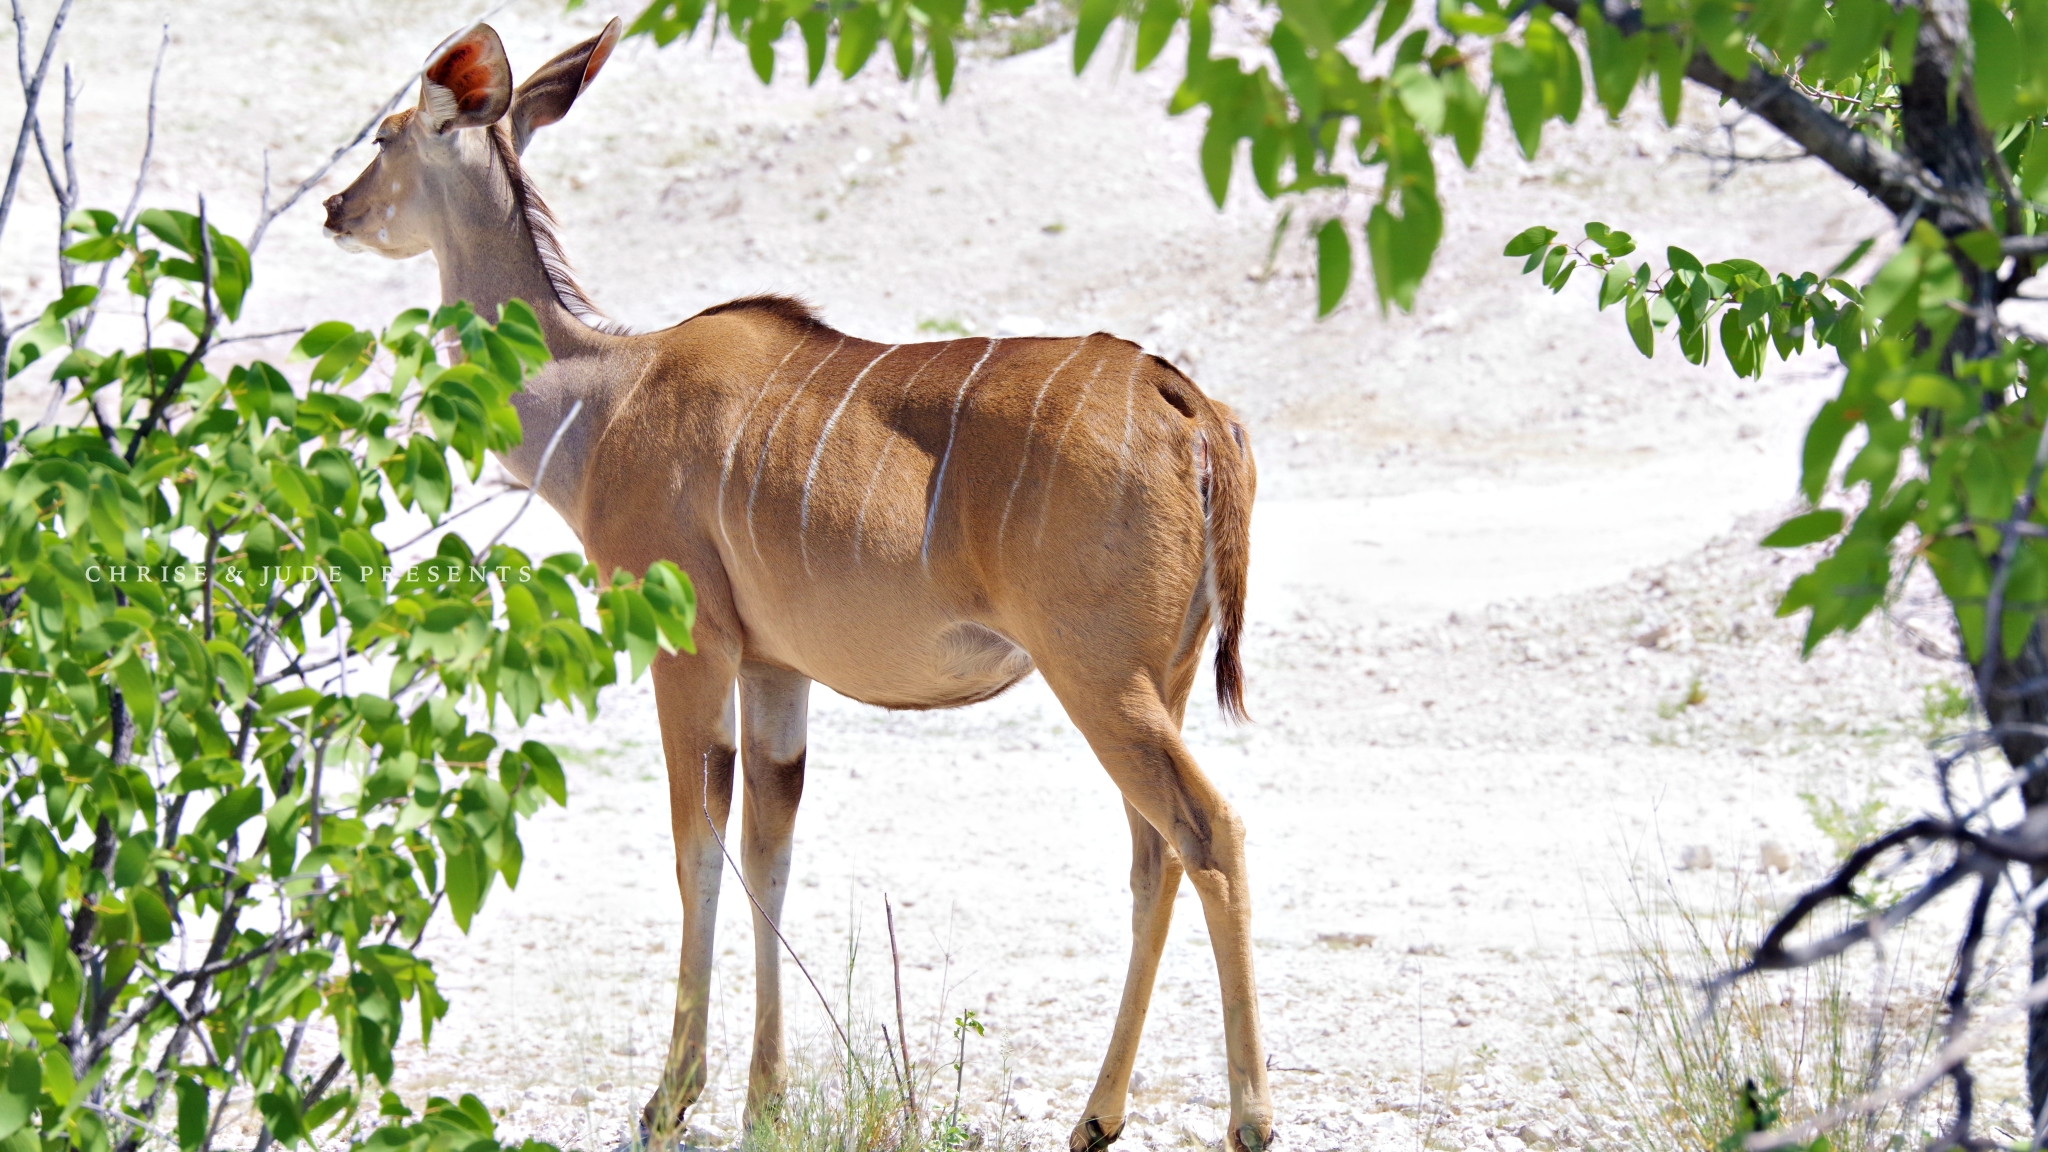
x=333 y=206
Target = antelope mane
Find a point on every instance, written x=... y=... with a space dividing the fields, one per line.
x=541 y=225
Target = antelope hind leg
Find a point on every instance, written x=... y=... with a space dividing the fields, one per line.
x=1155 y=878
x=1133 y=733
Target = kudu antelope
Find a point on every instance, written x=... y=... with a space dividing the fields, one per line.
x=915 y=525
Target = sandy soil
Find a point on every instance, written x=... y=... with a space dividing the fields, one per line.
x=1496 y=553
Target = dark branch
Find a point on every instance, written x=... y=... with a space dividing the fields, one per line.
x=1888 y=177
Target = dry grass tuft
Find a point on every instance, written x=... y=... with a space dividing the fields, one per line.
x=1657 y=1058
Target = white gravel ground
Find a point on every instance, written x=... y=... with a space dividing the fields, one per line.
x=1495 y=554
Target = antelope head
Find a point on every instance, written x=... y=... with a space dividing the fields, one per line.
x=450 y=163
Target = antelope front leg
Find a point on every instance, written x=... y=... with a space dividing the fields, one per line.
x=773 y=703
x=694 y=697
x=1155 y=877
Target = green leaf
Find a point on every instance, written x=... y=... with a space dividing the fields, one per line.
x=1860 y=26
x=2033 y=175
x=1156 y=22
x=152 y=918
x=1521 y=89
x=1639 y=327
x=24 y=1084
x=1392 y=17
x=547 y=770
x=1464 y=113
x=1094 y=19
x=1855 y=255
x=1219 y=154
x=229 y=813
x=1982 y=247
x=1421 y=95
x=1333 y=265
x=1824 y=438
x=1529 y=241
x=138 y=691
x=1810 y=528
x=1615 y=285
x=1998 y=59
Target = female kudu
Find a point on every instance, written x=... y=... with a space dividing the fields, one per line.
x=916 y=525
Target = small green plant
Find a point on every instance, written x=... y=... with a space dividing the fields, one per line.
x=944 y=326
x=1756 y=1111
x=1848 y=827
x=1941 y=705
x=1695 y=695
x=948 y=1133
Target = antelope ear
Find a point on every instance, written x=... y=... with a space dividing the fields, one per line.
x=554 y=86
x=467 y=82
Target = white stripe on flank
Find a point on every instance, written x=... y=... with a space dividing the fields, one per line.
x=952 y=426
x=860 y=517
x=769 y=442
x=725 y=469
x=1003 y=525
x=1052 y=470
x=1123 y=453
x=803 y=508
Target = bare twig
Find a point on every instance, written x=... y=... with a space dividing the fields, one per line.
x=268 y=213
x=32 y=89
x=183 y=372
x=902 y=1036
x=260 y=335
x=704 y=798
x=128 y=215
x=547 y=455
x=454 y=516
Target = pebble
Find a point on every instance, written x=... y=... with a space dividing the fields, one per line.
x=1773 y=857
x=1202 y=1129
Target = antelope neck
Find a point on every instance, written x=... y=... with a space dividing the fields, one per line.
x=492 y=265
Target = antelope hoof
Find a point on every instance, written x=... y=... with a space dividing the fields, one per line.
x=1251 y=1136
x=1091 y=1135
x=639 y=1141
x=651 y=1122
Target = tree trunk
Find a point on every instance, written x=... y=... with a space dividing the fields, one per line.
x=2006 y=707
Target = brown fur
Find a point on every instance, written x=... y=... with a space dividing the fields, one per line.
x=916 y=525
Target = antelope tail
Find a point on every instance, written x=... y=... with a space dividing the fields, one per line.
x=1233 y=481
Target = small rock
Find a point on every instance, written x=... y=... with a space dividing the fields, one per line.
x=1139 y=1080
x=1202 y=1129
x=1204 y=1100
x=1508 y=1143
x=1031 y=1105
x=1022 y=1081
x=1669 y=637
x=1346 y=939
x=582 y=1096
x=1696 y=858
x=1773 y=857
x=1538 y=1136
x=703 y=1136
